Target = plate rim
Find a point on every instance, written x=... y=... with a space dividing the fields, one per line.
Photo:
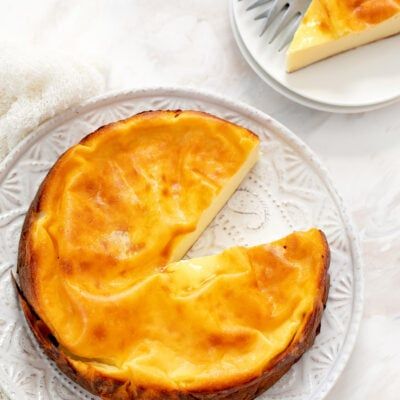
x=291 y=94
x=270 y=123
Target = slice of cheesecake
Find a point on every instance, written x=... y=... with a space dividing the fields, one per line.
x=330 y=27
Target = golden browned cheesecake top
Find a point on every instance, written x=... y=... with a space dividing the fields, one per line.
x=373 y=11
x=208 y=323
x=124 y=200
x=337 y=18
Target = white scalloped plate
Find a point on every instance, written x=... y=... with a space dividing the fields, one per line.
x=287 y=190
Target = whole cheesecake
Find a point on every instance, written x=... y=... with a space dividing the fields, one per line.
x=103 y=290
x=331 y=27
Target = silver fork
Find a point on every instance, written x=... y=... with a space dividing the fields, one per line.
x=281 y=17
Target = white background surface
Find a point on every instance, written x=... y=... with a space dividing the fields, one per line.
x=189 y=43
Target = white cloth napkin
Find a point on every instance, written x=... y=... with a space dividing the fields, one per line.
x=37 y=84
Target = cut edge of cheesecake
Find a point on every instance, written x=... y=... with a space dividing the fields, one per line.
x=297 y=58
x=218 y=203
x=99 y=379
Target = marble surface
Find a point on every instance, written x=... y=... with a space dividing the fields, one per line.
x=189 y=43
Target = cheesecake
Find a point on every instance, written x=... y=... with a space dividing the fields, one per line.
x=331 y=27
x=103 y=286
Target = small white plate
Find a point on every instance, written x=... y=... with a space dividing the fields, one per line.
x=359 y=80
x=287 y=190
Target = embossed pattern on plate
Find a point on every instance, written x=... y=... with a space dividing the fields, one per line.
x=287 y=190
